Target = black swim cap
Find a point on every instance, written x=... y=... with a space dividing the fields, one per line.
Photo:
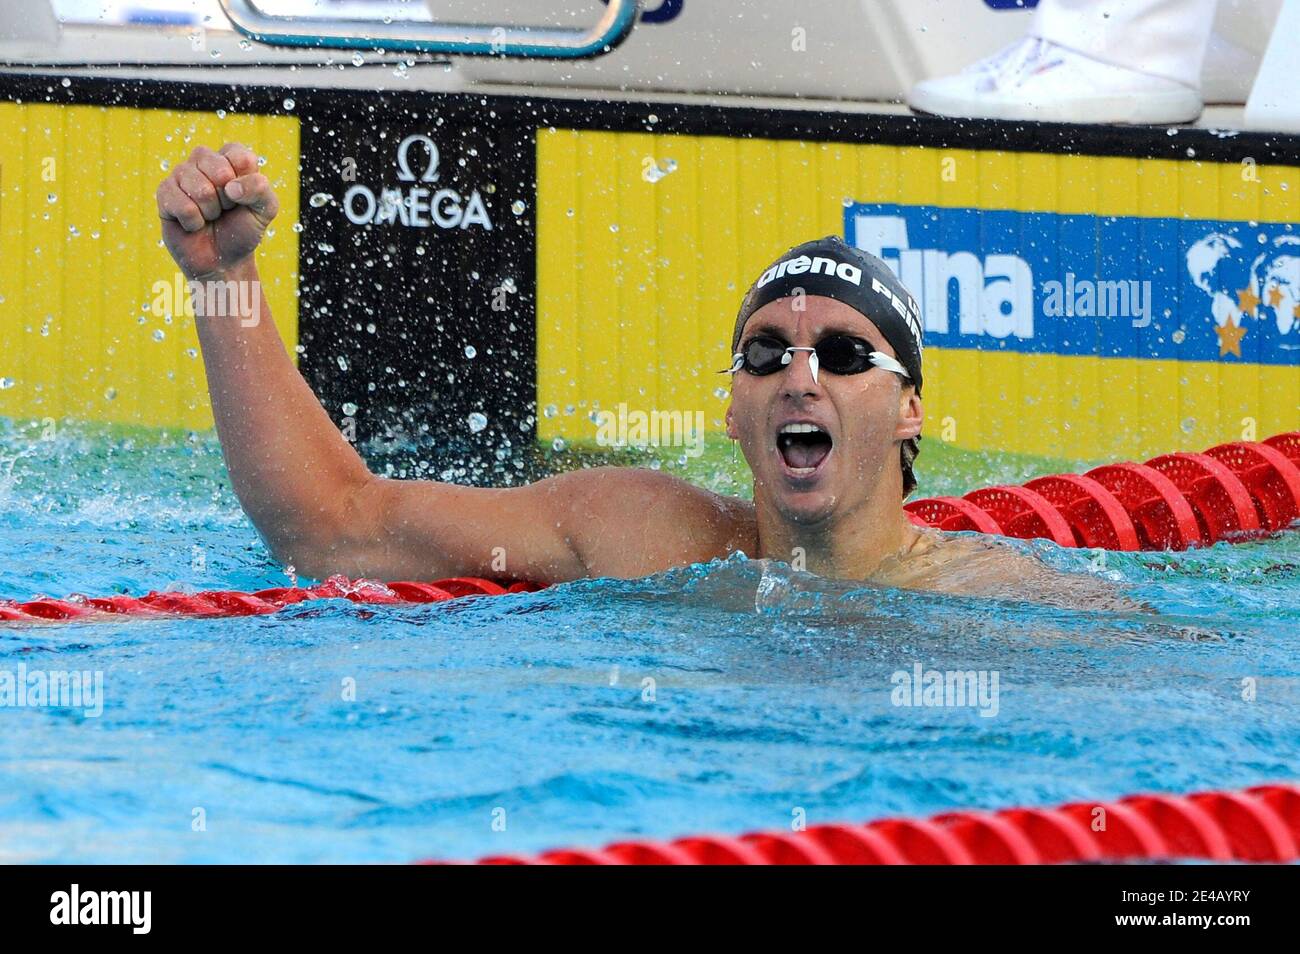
x=834 y=269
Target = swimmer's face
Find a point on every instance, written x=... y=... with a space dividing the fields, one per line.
x=812 y=478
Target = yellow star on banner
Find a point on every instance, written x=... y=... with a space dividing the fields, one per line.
x=1274 y=296
x=1230 y=338
x=1247 y=301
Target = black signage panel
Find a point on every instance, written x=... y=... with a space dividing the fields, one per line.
x=417 y=277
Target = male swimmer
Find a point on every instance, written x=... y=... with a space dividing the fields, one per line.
x=825 y=405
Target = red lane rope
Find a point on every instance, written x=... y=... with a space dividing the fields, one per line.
x=215 y=603
x=1171 y=502
x=1258 y=824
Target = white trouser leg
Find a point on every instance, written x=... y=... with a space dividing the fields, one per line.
x=1161 y=37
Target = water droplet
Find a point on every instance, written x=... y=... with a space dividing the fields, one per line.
x=470 y=351
x=517 y=207
x=477 y=422
x=51 y=198
x=65 y=82
x=159 y=334
x=349 y=408
x=110 y=394
x=550 y=410
x=297 y=226
x=221 y=114
x=7 y=383
x=358 y=59
x=558 y=444
x=722 y=394
x=319 y=199
x=342 y=362
x=245 y=44
x=289 y=103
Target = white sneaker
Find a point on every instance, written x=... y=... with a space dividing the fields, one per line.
x=1034 y=79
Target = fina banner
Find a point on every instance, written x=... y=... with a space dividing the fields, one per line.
x=1113 y=286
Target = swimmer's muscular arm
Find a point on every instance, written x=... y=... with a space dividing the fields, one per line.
x=312 y=497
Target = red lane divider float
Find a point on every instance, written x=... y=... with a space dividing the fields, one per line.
x=212 y=603
x=1171 y=502
x=1258 y=824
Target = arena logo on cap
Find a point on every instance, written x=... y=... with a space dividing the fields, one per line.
x=817 y=265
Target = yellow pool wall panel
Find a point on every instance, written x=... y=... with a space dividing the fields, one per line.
x=81 y=333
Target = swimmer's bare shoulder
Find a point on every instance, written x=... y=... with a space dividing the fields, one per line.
x=632 y=522
x=605 y=521
x=971 y=565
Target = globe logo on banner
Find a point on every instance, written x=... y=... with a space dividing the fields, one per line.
x=1245 y=285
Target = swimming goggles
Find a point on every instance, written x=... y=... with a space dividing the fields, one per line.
x=838 y=354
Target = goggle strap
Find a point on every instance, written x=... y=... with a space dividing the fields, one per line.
x=886 y=363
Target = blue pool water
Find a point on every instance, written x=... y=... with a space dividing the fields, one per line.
x=519 y=723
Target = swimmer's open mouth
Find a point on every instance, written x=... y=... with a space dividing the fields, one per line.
x=803 y=447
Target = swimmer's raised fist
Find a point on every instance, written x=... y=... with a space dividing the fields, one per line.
x=215 y=207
